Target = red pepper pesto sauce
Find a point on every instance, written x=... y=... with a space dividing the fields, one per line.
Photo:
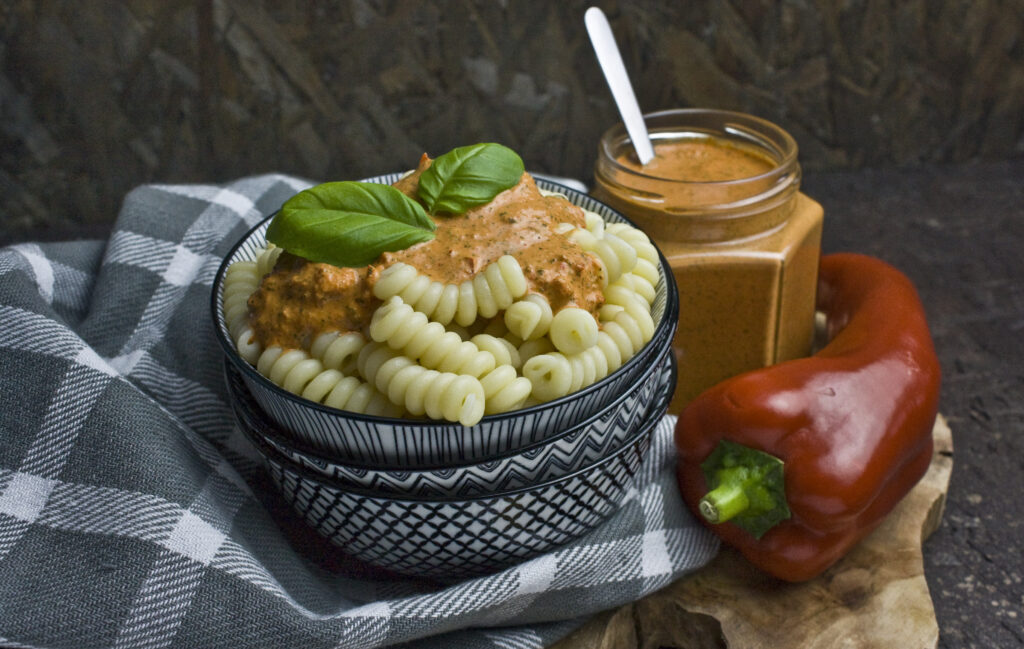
x=301 y=299
x=700 y=159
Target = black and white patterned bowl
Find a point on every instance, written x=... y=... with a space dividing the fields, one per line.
x=546 y=460
x=386 y=441
x=456 y=537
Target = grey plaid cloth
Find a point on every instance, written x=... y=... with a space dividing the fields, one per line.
x=134 y=514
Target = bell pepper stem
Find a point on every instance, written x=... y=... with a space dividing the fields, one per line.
x=746 y=486
x=723 y=503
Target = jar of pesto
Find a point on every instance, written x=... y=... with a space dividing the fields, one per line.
x=722 y=201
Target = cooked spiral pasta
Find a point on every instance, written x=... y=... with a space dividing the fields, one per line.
x=338 y=351
x=504 y=352
x=333 y=350
x=493 y=289
x=622 y=294
x=410 y=332
x=555 y=374
x=647 y=262
x=267 y=258
x=628 y=290
x=630 y=329
x=637 y=314
x=640 y=285
x=437 y=300
x=529 y=318
x=439 y=395
x=490 y=291
x=532 y=348
x=646 y=273
x=595 y=224
x=240 y=281
x=627 y=326
x=616 y=256
x=573 y=330
x=550 y=375
x=504 y=389
x=349 y=393
x=636 y=238
x=298 y=373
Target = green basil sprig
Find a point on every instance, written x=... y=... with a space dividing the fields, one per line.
x=469 y=176
x=349 y=223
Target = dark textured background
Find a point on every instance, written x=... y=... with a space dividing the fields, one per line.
x=909 y=114
x=97 y=97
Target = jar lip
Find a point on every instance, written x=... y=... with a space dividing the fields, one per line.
x=788 y=149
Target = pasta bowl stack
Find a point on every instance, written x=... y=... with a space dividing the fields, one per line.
x=440 y=498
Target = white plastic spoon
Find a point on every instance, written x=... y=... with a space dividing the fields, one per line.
x=610 y=60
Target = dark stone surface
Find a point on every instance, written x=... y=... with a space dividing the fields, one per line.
x=958 y=232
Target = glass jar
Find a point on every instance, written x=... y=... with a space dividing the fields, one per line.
x=722 y=201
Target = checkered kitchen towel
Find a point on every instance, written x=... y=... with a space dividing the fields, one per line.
x=133 y=514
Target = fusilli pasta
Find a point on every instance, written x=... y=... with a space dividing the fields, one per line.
x=484 y=295
x=439 y=395
x=529 y=318
x=408 y=331
x=338 y=351
x=267 y=259
x=616 y=256
x=240 y=281
x=298 y=373
x=573 y=330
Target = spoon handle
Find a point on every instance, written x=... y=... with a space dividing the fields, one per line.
x=610 y=60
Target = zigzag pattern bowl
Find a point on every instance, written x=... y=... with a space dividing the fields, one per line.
x=384 y=442
x=551 y=458
x=456 y=537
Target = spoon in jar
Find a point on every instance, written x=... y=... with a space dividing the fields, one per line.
x=610 y=60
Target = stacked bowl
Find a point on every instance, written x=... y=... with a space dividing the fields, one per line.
x=442 y=500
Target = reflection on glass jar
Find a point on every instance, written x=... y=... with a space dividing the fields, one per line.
x=722 y=200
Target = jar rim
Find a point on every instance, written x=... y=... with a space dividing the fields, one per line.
x=785 y=149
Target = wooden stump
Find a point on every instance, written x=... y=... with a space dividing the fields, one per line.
x=875 y=597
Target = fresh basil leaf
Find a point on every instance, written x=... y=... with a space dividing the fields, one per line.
x=469 y=176
x=349 y=223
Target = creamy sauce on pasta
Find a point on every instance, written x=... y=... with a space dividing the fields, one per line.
x=300 y=299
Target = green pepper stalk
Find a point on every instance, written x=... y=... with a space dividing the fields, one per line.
x=747 y=487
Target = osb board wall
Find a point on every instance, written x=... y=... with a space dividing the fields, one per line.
x=97 y=97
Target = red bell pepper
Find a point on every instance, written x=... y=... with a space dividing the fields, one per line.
x=794 y=463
